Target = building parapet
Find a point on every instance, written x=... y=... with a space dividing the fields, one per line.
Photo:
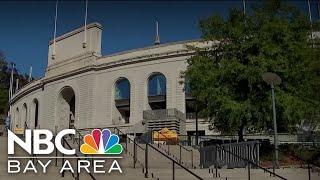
x=172 y=119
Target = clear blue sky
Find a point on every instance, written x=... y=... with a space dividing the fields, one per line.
x=26 y=27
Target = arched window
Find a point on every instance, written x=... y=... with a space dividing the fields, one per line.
x=157 y=90
x=17 y=117
x=36 y=112
x=157 y=85
x=122 y=89
x=66 y=108
x=122 y=100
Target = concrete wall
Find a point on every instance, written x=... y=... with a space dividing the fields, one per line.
x=93 y=78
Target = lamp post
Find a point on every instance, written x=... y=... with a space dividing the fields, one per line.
x=273 y=79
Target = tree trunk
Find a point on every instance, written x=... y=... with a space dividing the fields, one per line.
x=240 y=133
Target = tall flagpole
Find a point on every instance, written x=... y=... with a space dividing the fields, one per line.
x=157 y=39
x=84 y=45
x=11 y=87
x=17 y=85
x=30 y=74
x=55 y=31
x=244 y=6
x=244 y=12
x=318 y=9
x=310 y=14
x=310 y=19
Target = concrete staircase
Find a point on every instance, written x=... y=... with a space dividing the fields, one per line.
x=159 y=166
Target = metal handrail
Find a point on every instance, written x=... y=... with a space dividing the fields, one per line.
x=251 y=162
x=80 y=136
x=122 y=133
x=77 y=131
x=69 y=146
x=163 y=154
x=300 y=159
x=64 y=141
x=181 y=147
x=173 y=161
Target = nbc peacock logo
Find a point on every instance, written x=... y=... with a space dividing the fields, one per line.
x=101 y=142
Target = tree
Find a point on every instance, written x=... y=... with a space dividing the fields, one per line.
x=5 y=74
x=273 y=37
x=4 y=82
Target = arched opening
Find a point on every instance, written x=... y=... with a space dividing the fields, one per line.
x=17 y=117
x=157 y=91
x=36 y=112
x=66 y=108
x=25 y=115
x=122 y=98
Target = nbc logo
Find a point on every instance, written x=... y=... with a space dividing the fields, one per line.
x=101 y=142
x=98 y=142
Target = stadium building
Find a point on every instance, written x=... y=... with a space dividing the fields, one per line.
x=136 y=90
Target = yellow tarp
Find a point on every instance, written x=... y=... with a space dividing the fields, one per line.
x=18 y=130
x=165 y=134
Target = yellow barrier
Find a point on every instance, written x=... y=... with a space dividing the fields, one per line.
x=18 y=130
x=165 y=135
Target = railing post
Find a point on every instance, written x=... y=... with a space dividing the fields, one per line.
x=309 y=173
x=62 y=162
x=158 y=140
x=192 y=158
x=79 y=141
x=216 y=167
x=273 y=163
x=56 y=162
x=77 y=173
x=134 y=153
x=180 y=155
x=146 y=161
x=173 y=173
x=248 y=160
x=126 y=143
x=74 y=137
x=33 y=156
x=249 y=171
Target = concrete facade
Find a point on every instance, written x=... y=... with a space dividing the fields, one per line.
x=91 y=77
